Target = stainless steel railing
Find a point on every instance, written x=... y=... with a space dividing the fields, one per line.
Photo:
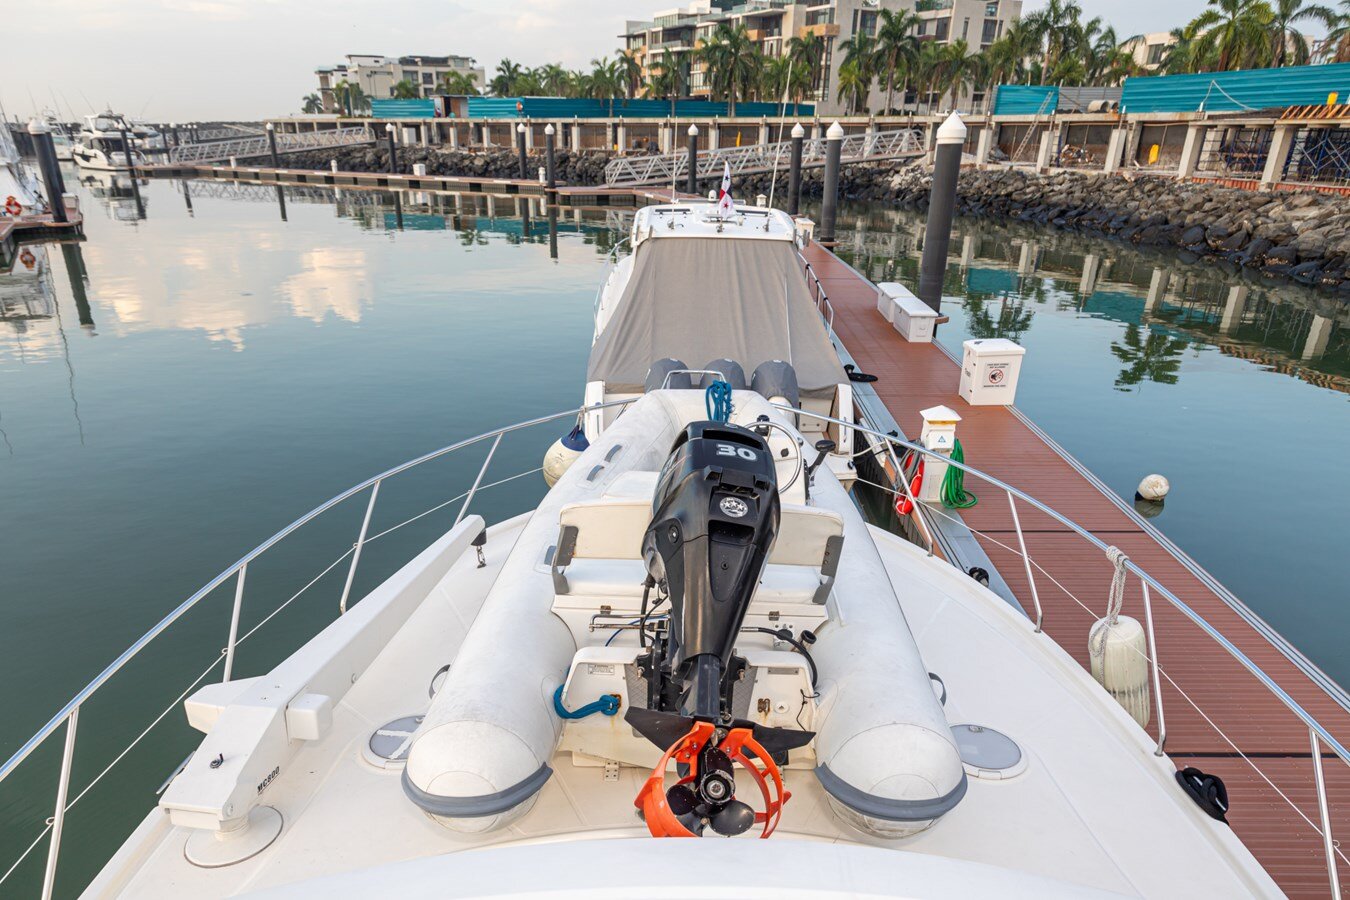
x=1318 y=734
x=68 y=715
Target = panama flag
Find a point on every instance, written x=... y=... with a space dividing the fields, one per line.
x=725 y=206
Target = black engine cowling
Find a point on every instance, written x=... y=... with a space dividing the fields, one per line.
x=714 y=520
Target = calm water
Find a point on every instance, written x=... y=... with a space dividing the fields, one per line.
x=181 y=385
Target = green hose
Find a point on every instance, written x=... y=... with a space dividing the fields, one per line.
x=954 y=493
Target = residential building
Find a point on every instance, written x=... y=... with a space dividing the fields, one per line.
x=771 y=24
x=377 y=75
x=1149 y=50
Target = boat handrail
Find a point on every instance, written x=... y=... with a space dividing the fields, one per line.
x=1338 y=696
x=69 y=713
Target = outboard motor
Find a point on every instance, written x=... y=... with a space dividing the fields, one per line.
x=715 y=517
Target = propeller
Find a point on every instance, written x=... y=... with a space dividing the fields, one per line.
x=733 y=819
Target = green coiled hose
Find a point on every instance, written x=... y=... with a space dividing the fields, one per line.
x=954 y=493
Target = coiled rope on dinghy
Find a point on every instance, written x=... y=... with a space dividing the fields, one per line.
x=717 y=400
x=607 y=704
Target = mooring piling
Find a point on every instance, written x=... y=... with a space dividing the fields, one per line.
x=795 y=170
x=941 y=209
x=691 y=177
x=834 y=145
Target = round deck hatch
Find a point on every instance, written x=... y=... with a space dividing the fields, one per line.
x=389 y=744
x=987 y=753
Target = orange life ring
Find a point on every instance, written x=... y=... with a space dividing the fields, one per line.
x=903 y=505
x=13 y=206
x=27 y=258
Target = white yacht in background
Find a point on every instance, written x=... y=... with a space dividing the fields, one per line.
x=693 y=633
x=100 y=144
x=20 y=190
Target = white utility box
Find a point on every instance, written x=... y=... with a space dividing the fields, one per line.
x=989 y=371
x=915 y=320
x=887 y=291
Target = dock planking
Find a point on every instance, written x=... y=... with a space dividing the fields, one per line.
x=1216 y=711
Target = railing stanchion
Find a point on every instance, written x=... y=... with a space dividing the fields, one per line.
x=1328 y=844
x=481 y=472
x=1156 y=666
x=1026 y=559
x=360 y=542
x=59 y=817
x=234 y=623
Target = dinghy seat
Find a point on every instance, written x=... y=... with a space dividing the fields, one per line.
x=599 y=550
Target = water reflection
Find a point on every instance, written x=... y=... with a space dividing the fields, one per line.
x=118 y=194
x=1003 y=274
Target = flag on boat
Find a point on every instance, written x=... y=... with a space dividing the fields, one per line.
x=725 y=206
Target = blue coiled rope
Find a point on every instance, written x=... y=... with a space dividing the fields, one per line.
x=717 y=399
x=607 y=704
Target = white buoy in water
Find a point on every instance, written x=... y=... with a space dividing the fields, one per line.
x=1153 y=487
x=562 y=454
x=1118 y=652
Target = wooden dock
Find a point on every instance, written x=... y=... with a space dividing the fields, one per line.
x=1216 y=711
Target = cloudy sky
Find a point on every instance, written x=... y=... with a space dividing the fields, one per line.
x=219 y=59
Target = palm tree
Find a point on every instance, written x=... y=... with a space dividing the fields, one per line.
x=667 y=81
x=1335 y=47
x=783 y=78
x=860 y=51
x=606 y=81
x=1236 y=29
x=404 y=90
x=311 y=103
x=504 y=83
x=733 y=63
x=853 y=85
x=459 y=84
x=352 y=98
x=956 y=71
x=1288 y=45
x=552 y=79
x=630 y=68
x=897 y=47
x=808 y=49
x=1187 y=53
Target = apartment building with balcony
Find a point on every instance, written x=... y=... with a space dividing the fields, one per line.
x=377 y=75
x=771 y=24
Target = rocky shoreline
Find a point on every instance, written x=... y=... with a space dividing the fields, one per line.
x=1303 y=236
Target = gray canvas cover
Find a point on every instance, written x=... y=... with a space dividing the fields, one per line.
x=698 y=299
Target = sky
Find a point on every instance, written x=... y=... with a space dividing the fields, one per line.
x=202 y=60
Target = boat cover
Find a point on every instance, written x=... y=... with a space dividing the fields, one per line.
x=698 y=299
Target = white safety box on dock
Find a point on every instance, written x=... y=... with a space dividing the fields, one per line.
x=989 y=371
x=915 y=320
x=887 y=291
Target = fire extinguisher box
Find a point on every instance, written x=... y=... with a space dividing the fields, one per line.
x=989 y=371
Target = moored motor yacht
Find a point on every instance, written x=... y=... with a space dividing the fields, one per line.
x=693 y=632
x=102 y=143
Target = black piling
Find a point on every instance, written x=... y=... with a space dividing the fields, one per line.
x=393 y=149
x=691 y=179
x=281 y=202
x=552 y=232
x=520 y=150
x=131 y=173
x=272 y=145
x=941 y=210
x=550 y=163
x=79 y=280
x=187 y=197
x=795 y=170
x=51 y=171
x=834 y=146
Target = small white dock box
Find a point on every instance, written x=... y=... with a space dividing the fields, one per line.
x=989 y=371
x=915 y=320
x=887 y=291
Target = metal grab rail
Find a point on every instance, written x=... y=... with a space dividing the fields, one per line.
x=1317 y=733
x=249 y=147
x=68 y=716
x=752 y=158
x=818 y=295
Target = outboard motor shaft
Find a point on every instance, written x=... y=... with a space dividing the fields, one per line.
x=715 y=516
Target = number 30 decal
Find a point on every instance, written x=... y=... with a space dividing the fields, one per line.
x=742 y=452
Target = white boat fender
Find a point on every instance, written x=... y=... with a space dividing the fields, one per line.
x=563 y=453
x=1118 y=649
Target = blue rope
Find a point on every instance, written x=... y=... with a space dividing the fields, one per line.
x=717 y=399
x=607 y=704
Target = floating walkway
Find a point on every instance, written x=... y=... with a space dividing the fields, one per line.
x=1219 y=718
x=253 y=147
x=756 y=158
